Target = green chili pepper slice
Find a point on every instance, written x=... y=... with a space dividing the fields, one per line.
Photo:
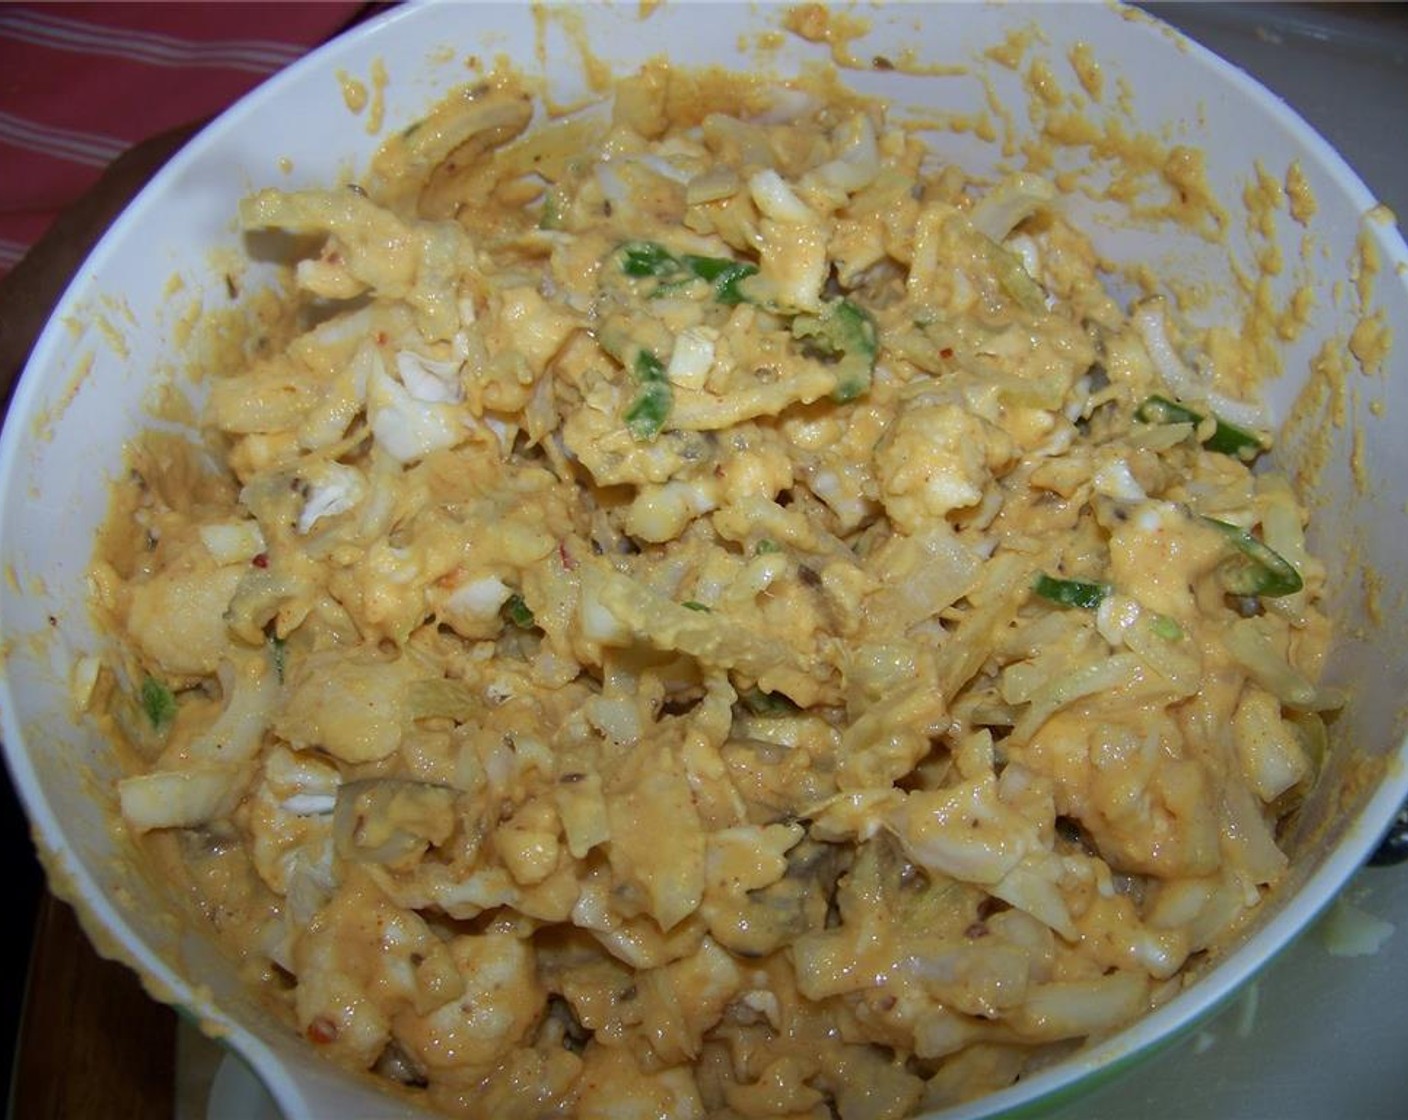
x=760 y=703
x=1258 y=569
x=723 y=274
x=647 y=413
x=644 y=259
x=158 y=702
x=516 y=611
x=846 y=332
x=647 y=258
x=1071 y=592
x=1226 y=439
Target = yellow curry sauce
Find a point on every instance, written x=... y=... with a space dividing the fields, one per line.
x=701 y=609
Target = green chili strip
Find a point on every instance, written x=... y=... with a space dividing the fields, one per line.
x=159 y=703
x=1071 y=592
x=760 y=703
x=695 y=605
x=644 y=259
x=1257 y=569
x=1226 y=439
x=725 y=275
x=516 y=611
x=1013 y=278
x=278 y=648
x=647 y=258
x=646 y=415
x=844 y=332
x=1166 y=628
x=554 y=214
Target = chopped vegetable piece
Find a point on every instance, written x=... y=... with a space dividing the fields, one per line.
x=1258 y=569
x=648 y=258
x=648 y=411
x=724 y=274
x=516 y=611
x=1166 y=628
x=761 y=703
x=695 y=605
x=766 y=546
x=1071 y=592
x=1226 y=439
x=845 y=332
x=159 y=702
x=1013 y=278
x=442 y=698
x=278 y=648
x=554 y=213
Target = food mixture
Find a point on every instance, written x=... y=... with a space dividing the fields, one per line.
x=698 y=607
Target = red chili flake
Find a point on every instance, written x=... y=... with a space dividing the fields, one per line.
x=322 y=1030
x=946 y=352
x=380 y=338
x=565 y=556
x=261 y=561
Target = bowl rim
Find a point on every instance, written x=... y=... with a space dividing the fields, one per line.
x=108 y=927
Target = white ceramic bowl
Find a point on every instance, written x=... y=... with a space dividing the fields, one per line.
x=118 y=327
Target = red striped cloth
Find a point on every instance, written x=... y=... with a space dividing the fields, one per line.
x=80 y=83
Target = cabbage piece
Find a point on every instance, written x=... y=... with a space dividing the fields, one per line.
x=1121 y=670
x=184 y=798
x=250 y=682
x=1080 y=1008
x=442 y=698
x=483 y=115
x=1010 y=203
x=963 y=831
x=385 y=820
x=1253 y=646
x=618 y=610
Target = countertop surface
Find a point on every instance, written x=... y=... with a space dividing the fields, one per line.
x=1320 y=1034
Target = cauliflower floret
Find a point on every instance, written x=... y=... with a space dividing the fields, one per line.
x=181 y=798
x=502 y=1000
x=291 y=815
x=472 y=607
x=407 y=428
x=178 y=616
x=333 y=488
x=429 y=380
x=365 y=965
x=937 y=457
x=353 y=708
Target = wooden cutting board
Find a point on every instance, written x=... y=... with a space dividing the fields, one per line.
x=91 y=1043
